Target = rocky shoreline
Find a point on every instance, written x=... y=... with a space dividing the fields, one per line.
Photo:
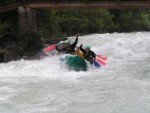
x=28 y=46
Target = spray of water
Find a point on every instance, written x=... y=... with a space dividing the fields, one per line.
x=47 y=85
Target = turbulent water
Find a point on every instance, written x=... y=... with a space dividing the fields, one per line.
x=47 y=86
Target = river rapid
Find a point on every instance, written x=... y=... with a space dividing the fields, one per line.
x=47 y=86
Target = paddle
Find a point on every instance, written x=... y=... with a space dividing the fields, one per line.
x=49 y=48
x=96 y=64
x=101 y=56
x=100 y=61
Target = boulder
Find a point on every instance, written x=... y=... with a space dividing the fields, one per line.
x=32 y=45
x=27 y=46
x=2 y=55
x=14 y=52
x=8 y=39
x=11 y=48
x=31 y=41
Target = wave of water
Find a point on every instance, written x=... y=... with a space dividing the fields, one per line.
x=47 y=86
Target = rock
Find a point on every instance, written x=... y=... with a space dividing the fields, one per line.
x=32 y=44
x=8 y=39
x=28 y=46
x=12 y=46
x=2 y=55
x=14 y=52
x=31 y=41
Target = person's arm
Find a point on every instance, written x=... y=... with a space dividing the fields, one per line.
x=83 y=51
x=76 y=41
x=94 y=56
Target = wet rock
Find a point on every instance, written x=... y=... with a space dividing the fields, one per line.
x=32 y=41
x=8 y=39
x=32 y=44
x=28 y=46
x=14 y=52
x=2 y=55
x=11 y=44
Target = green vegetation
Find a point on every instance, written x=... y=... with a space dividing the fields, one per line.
x=70 y=22
x=8 y=1
x=67 y=22
x=8 y=22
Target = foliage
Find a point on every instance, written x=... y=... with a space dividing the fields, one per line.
x=8 y=22
x=67 y=22
x=8 y=1
x=131 y=20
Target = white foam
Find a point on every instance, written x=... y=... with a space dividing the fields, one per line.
x=47 y=85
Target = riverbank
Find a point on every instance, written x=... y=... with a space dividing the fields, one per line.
x=28 y=46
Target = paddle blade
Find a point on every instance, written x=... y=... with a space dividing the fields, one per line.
x=96 y=64
x=49 y=48
x=102 y=57
x=100 y=61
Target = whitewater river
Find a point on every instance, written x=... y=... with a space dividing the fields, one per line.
x=47 y=86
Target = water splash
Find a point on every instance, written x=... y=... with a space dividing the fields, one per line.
x=46 y=85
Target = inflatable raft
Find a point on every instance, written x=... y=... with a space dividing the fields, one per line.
x=74 y=62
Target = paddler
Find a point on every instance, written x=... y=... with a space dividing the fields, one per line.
x=70 y=48
x=59 y=47
x=89 y=55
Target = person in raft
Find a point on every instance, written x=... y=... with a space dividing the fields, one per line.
x=59 y=47
x=69 y=48
x=89 y=55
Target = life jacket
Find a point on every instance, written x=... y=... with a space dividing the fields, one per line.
x=79 y=53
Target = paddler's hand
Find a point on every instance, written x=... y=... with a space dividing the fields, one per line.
x=92 y=60
x=78 y=35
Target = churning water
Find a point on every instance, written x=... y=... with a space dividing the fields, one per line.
x=47 y=86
